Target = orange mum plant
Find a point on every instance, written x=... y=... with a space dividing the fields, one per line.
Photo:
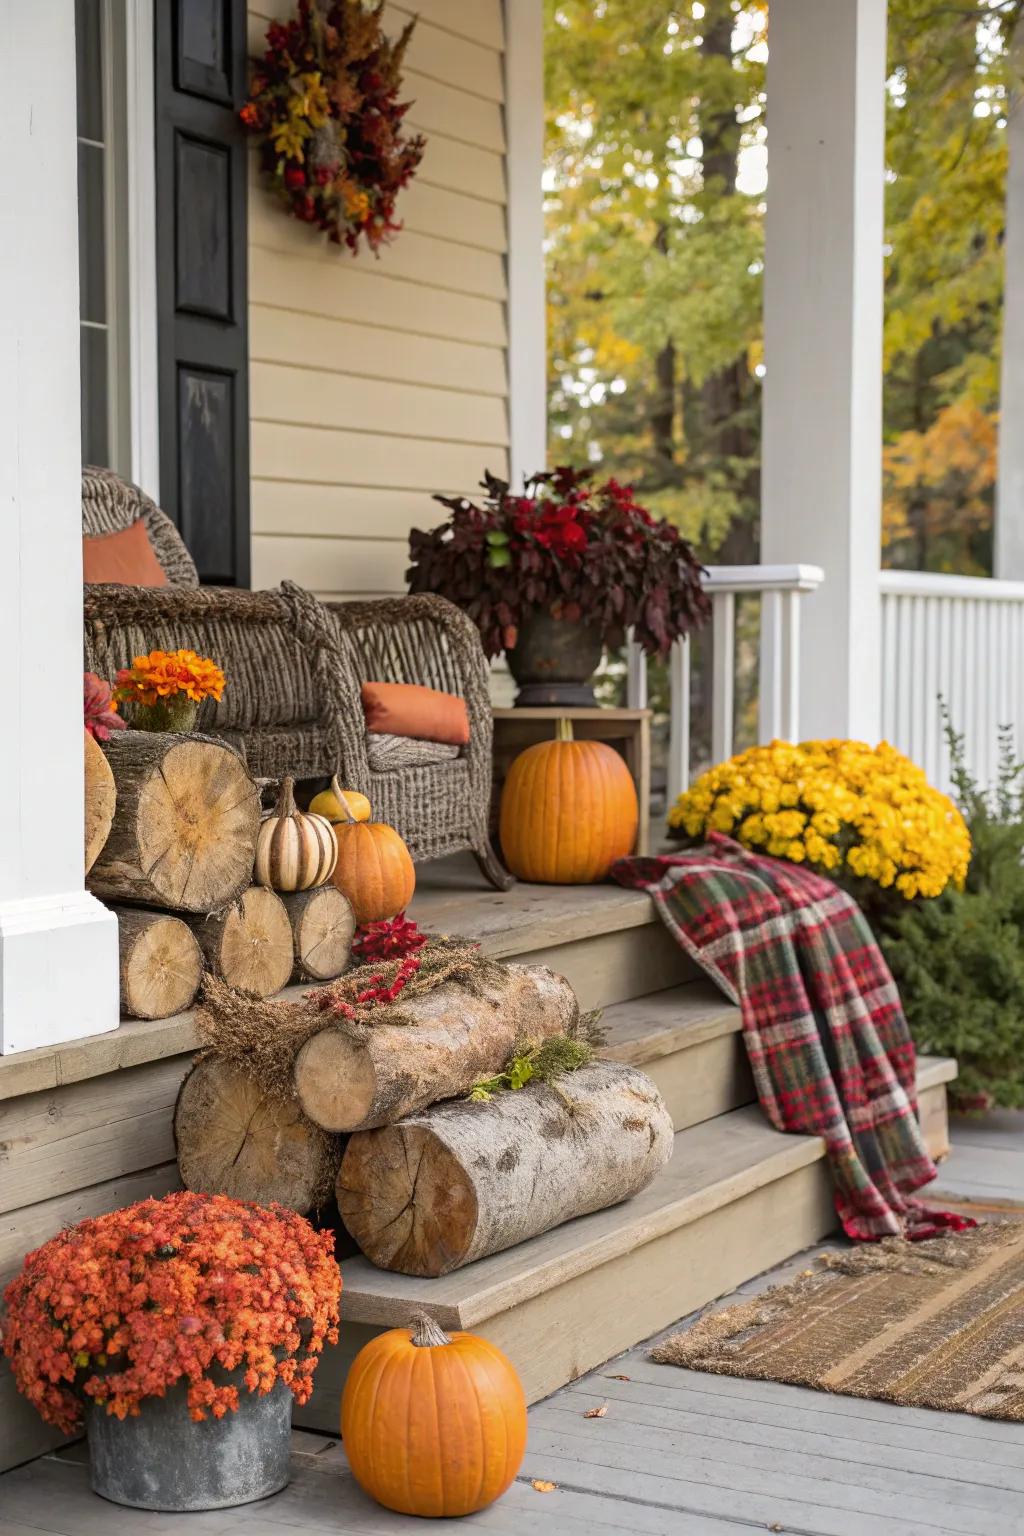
x=164 y=674
x=123 y=1306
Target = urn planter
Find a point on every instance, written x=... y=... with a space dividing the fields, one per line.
x=553 y=661
x=161 y=1459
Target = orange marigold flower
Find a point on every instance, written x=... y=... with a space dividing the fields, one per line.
x=163 y=674
x=165 y=1290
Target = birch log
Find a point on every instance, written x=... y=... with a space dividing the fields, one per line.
x=323 y=927
x=351 y=1079
x=161 y=963
x=249 y=944
x=233 y=1138
x=462 y=1180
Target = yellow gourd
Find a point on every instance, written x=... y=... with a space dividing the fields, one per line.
x=339 y=804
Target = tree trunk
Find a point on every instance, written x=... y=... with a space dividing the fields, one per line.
x=348 y=1079
x=323 y=927
x=100 y=801
x=463 y=1180
x=233 y=1138
x=161 y=963
x=249 y=945
x=184 y=831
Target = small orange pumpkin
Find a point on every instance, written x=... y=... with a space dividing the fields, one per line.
x=374 y=869
x=433 y=1424
x=568 y=810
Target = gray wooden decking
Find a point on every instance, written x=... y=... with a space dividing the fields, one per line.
x=677 y=1454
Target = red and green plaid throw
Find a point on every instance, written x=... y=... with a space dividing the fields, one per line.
x=824 y=1029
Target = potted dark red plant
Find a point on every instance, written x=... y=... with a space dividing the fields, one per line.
x=557 y=573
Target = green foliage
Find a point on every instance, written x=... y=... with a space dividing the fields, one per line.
x=959 y=960
x=656 y=122
x=544 y=1063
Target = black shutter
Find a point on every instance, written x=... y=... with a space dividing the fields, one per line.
x=202 y=288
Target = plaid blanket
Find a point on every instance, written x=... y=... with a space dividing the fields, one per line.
x=824 y=1029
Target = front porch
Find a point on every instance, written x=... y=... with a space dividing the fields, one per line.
x=676 y=1450
x=370 y=389
x=88 y=1127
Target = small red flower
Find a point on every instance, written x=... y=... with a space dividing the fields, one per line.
x=391 y=939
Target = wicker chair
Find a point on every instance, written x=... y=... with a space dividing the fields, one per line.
x=295 y=666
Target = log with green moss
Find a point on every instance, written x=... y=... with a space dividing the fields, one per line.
x=462 y=1180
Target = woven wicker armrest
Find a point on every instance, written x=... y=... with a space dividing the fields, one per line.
x=279 y=650
x=417 y=639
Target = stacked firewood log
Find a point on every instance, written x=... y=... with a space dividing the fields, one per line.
x=177 y=869
x=294 y=1102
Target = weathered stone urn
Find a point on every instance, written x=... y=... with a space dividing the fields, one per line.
x=553 y=661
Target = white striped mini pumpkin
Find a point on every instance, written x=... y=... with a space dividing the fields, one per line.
x=295 y=850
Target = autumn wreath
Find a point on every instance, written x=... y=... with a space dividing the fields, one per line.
x=324 y=104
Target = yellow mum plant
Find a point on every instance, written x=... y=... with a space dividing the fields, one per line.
x=845 y=808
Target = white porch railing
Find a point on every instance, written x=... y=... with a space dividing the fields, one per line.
x=780 y=588
x=961 y=638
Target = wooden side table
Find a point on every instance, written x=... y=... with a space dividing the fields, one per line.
x=627 y=730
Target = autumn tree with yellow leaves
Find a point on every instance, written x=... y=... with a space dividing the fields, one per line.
x=657 y=135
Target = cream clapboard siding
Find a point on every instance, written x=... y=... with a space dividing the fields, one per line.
x=375 y=382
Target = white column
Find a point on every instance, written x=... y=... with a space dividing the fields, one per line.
x=1009 y=528
x=822 y=428
x=58 y=945
x=527 y=317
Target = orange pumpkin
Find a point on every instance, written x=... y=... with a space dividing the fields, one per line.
x=374 y=869
x=568 y=811
x=433 y=1424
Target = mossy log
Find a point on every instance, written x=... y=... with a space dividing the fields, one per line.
x=350 y=1079
x=323 y=927
x=233 y=1138
x=161 y=963
x=184 y=830
x=249 y=944
x=463 y=1180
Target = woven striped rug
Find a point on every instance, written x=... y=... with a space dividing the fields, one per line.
x=938 y=1324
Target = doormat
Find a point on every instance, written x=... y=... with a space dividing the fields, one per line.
x=938 y=1324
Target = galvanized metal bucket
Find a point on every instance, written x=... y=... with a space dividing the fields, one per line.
x=163 y=1460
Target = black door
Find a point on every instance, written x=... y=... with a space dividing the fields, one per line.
x=202 y=295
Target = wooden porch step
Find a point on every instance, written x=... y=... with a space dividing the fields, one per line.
x=736 y=1198
x=688 y=1039
x=608 y=942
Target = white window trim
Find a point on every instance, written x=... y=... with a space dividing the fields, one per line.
x=527 y=315
x=141 y=275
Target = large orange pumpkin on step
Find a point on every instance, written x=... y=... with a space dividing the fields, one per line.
x=374 y=869
x=568 y=811
x=433 y=1424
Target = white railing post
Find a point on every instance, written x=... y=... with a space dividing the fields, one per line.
x=772 y=665
x=723 y=673
x=636 y=675
x=958 y=637
x=781 y=589
x=679 y=723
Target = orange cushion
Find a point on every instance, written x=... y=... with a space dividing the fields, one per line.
x=406 y=709
x=126 y=557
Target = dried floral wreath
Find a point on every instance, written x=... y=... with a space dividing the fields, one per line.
x=323 y=102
